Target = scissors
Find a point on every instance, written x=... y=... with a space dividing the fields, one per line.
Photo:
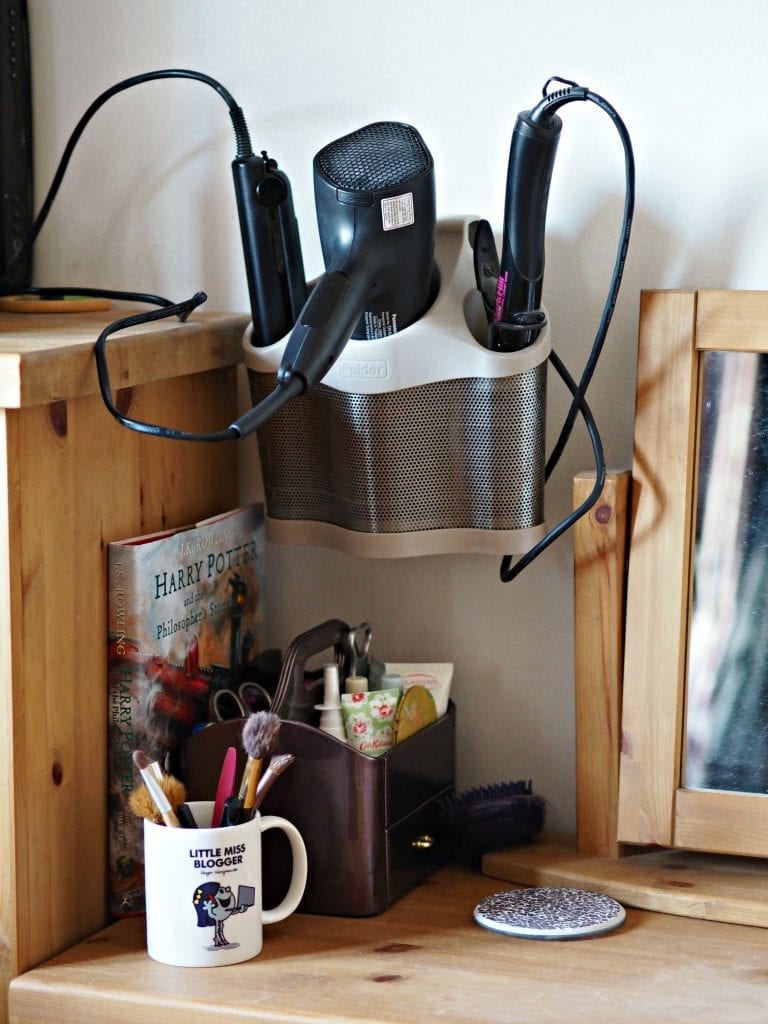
x=357 y=643
x=227 y=704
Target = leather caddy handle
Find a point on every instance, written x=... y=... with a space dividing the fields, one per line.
x=301 y=700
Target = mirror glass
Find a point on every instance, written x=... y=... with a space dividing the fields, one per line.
x=726 y=736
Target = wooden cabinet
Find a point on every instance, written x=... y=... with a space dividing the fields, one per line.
x=72 y=479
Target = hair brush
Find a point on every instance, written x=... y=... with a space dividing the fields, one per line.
x=489 y=817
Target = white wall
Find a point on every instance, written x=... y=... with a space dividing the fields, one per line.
x=147 y=204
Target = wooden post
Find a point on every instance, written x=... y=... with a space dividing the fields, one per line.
x=600 y=543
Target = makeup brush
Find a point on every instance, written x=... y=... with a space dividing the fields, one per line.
x=259 y=734
x=275 y=769
x=225 y=788
x=146 y=766
x=143 y=806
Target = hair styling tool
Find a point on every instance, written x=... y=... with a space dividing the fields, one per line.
x=375 y=200
x=489 y=817
x=486 y=263
x=517 y=317
x=521 y=271
x=271 y=246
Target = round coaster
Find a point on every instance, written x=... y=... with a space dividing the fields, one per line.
x=549 y=913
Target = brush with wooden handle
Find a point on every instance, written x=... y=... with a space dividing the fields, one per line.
x=259 y=734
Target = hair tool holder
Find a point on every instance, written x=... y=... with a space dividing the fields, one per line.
x=422 y=442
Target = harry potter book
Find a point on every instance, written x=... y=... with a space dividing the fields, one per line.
x=184 y=622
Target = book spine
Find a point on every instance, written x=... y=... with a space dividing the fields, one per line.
x=126 y=875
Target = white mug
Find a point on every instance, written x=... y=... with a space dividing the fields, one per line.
x=203 y=889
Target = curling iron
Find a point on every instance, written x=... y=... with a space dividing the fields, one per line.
x=515 y=315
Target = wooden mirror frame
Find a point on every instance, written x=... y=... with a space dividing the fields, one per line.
x=654 y=807
x=641 y=836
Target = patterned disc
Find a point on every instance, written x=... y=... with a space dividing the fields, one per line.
x=549 y=913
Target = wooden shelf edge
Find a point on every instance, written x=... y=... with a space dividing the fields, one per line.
x=705 y=886
x=45 y=358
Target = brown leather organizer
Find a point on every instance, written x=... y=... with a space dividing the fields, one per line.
x=369 y=823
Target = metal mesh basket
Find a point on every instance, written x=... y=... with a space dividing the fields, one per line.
x=454 y=454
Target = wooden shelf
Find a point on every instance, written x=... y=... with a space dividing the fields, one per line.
x=424 y=959
x=702 y=885
x=71 y=480
x=48 y=357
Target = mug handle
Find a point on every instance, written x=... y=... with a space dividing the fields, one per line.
x=299 y=876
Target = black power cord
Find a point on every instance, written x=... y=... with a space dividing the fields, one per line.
x=541 y=113
x=250 y=173
x=243 y=147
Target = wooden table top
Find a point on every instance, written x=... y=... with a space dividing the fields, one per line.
x=423 y=959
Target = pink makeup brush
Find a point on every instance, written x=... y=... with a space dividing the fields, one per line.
x=226 y=786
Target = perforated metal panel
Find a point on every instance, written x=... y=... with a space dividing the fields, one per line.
x=452 y=454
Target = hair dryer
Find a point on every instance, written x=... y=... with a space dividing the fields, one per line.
x=375 y=199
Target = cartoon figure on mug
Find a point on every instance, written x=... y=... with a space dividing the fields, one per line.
x=215 y=903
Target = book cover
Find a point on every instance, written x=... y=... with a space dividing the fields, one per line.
x=184 y=622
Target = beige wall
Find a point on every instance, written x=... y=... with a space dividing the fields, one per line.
x=147 y=204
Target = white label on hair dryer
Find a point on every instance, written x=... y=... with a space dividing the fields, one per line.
x=379 y=325
x=397 y=211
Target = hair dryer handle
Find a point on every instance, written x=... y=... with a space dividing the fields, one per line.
x=325 y=325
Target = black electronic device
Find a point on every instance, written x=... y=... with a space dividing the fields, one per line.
x=15 y=143
x=271 y=247
x=375 y=200
x=532 y=155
